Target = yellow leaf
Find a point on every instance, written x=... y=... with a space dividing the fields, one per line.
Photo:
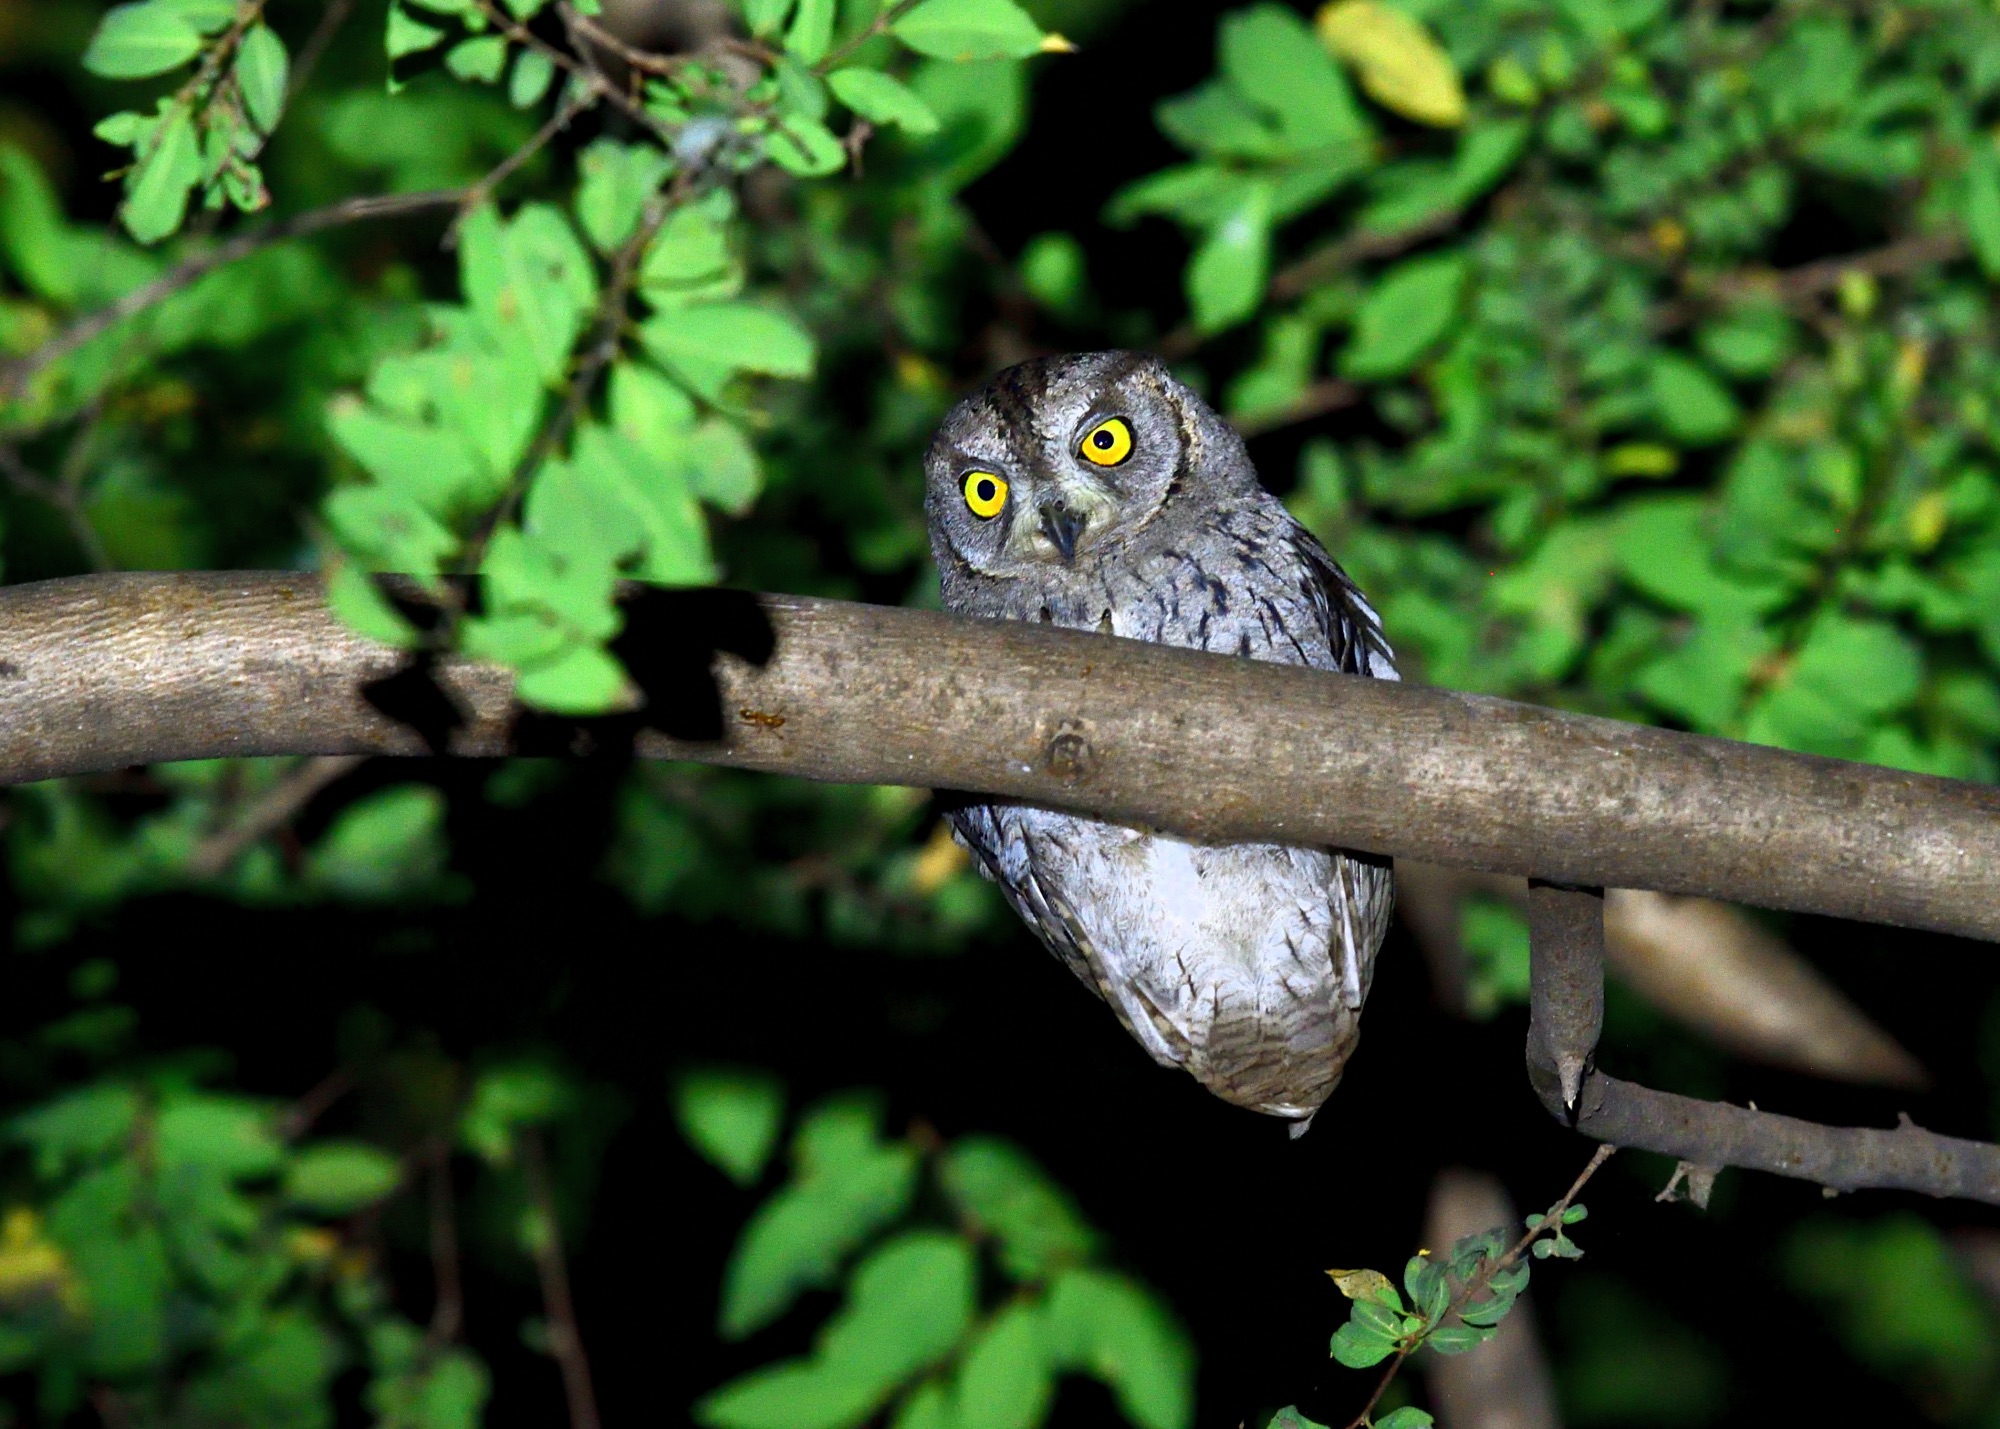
x=938 y=863
x=1400 y=65
x=1364 y=1285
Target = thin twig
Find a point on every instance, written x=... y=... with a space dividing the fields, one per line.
x=1809 y=280
x=880 y=26
x=1478 y=1282
x=585 y=97
x=1331 y=394
x=1296 y=278
x=317 y=1101
x=565 y=1340
x=14 y=375
x=582 y=26
x=275 y=808
x=583 y=69
x=314 y=49
x=448 y=1311
x=64 y=497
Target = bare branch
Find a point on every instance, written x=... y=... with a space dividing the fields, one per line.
x=1566 y=984
x=14 y=375
x=102 y=672
x=1707 y=965
x=565 y=1339
x=278 y=806
x=1567 y=933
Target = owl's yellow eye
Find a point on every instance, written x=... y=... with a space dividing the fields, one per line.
x=985 y=493
x=1108 y=443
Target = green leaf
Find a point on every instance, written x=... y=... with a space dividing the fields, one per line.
x=1114 y=1330
x=1407 y=1417
x=998 y=1187
x=262 y=69
x=1749 y=341
x=689 y=260
x=506 y=1099
x=77 y=1127
x=407 y=34
x=1227 y=273
x=1273 y=61
x=533 y=73
x=1430 y=1291
x=811 y=34
x=210 y=17
x=617 y=180
x=805 y=147
x=1006 y=1379
x=338 y=1178
x=765 y=17
x=722 y=466
x=479 y=60
x=156 y=194
x=1693 y=408
x=1407 y=312
x=34 y=240
x=362 y=607
x=649 y=410
x=1982 y=207
x=971 y=30
x=530 y=280
x=883 y=99
x=847 y=1184
x=731 y=1118
x=1290 y=1418
x=1357 y=1346
x=1487 y=1312
x=233 y=1136
x=424 y=466
x=736 y=336
x=582 y=680
x=142 y=40
x=1457 y=1339
x=381 y=847
x=911 y=1302
x=657 y=500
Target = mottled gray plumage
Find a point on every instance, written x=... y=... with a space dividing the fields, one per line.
x=1244 y=963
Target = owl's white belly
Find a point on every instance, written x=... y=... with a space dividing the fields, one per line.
x=1219 y=958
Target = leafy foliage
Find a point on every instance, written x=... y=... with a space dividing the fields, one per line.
x=924 y=1323
x=1637 y=358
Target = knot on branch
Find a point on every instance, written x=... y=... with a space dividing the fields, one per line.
x=1068 y=754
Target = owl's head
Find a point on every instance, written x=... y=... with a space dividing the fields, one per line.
x=1062 y=459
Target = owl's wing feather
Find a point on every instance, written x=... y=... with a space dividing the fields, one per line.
x=1353 y=629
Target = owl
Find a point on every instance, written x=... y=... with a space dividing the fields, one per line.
x=1097 y=492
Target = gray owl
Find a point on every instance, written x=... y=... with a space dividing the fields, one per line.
x=1097 y=492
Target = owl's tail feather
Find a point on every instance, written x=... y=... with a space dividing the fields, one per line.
x=1298 y=1127
x=1350 y=954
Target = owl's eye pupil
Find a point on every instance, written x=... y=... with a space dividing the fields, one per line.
x=985 y=489
x=1102 y=440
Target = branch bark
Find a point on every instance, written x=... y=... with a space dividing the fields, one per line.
x=102 y=672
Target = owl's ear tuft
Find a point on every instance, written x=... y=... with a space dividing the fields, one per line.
x=1208 y=442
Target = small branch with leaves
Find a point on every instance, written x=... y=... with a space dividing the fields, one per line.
x=1454 y=1304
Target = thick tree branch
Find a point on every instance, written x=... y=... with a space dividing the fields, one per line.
x=102 y=672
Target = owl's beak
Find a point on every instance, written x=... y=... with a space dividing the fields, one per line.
x=1062 y=526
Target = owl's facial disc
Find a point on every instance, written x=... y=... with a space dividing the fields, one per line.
x=1069 y=512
